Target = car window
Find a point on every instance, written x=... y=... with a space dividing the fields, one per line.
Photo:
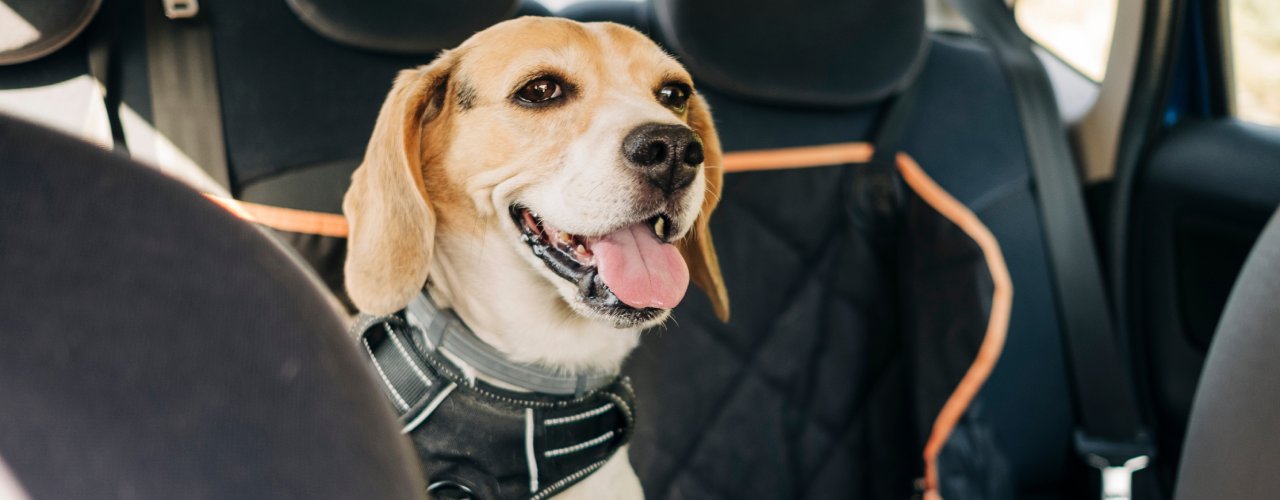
x=1077 y=31
x=1253 y=28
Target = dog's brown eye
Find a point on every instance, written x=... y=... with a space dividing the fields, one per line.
x=540 y=91
x=674 y=96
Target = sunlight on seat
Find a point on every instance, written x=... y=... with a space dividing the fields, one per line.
x=15 y=32
x=73 y=106
x=149 y=146
x=9 y=487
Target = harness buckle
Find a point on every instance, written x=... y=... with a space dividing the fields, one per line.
x=1117 y=461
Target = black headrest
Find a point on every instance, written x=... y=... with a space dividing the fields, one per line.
x=31 y=29
x=802 y=52
x=402 y=26
x=153 y=345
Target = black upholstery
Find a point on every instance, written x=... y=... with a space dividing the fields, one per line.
x=782 y=52
x=291 y=98
x=405 y=26
x=41 y=27
x=966 y=136
x=1230 y=449
x=152 y=346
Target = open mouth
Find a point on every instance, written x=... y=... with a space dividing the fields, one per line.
x=632 y=274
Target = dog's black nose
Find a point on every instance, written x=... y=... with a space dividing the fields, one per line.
x=667 y=155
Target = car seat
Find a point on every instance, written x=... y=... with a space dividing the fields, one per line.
x=153 y=346
x=747 y=409
x=1230 y=451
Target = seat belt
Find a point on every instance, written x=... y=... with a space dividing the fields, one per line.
x=184 y=85
x=1110 y=435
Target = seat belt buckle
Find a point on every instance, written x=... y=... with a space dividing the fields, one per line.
x=181 y=9
x=1116 y=460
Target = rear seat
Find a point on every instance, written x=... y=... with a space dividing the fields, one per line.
x=709 y=417
x=297 y=110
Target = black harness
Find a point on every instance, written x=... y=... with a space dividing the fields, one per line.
x=476 y=440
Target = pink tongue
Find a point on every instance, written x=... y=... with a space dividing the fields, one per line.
x=641 y=271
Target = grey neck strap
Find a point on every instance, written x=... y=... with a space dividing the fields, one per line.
x=444 y=331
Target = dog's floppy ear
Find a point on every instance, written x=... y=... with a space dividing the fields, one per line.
x=696 y=247
x=391 y=227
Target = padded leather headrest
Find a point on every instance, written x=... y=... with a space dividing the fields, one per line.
x=401 y=26
x=31 y=29
x=799 y=52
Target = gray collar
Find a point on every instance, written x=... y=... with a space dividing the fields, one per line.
x=442 y=330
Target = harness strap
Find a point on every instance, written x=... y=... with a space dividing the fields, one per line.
x=480 y=441
x=414 y=387
x=445 y=331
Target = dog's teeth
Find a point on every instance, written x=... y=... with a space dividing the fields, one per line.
x=565 y=238
x=660 y=228
x=582 y=250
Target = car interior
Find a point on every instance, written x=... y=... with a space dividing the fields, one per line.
x=1068 y=291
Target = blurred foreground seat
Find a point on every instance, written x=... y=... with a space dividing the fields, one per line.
x=152 y=346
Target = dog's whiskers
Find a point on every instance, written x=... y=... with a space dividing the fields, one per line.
x=713 y=193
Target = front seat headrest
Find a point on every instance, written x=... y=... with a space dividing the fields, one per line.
x=31 y=29
x=811 y=52
x=401 y=26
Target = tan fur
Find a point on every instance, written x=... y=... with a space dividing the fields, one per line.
x=391 y=227
x=699 y=253
x=429 y=205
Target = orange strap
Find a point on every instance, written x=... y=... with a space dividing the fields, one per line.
x=335 y=225
x=997 y=321
x=798 y=157
x=285 y=219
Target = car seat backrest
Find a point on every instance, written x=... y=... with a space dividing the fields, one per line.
x=750 y=49
x=301 y=83
x=401 y=26
x=1230 y=449
x=152 y=346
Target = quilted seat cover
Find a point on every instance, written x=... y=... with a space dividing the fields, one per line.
x=846 y=341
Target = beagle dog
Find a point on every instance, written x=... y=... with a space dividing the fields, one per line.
x=550 y=182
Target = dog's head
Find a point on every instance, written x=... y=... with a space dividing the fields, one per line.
x=581 y=147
